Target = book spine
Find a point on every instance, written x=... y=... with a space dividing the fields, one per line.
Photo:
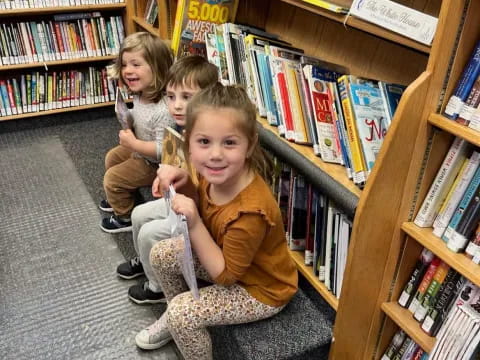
x=457 y=215
x=442 y=182
x=410 y=288
x=473 y=247
x=442 y=220
x=471 y=103
x=437 y=313
x=17 y=95
x=422 y=287
x=467 y=224
x=11 y=97
x=432 y=290
x=358 y=161
x=464 y=85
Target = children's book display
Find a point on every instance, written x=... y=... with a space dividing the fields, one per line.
x=180 y=228
x=194 y=19
x=121 y=110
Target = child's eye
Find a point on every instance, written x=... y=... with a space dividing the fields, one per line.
x=203 y=141
x=187 y=97
x=170 y=97
x=230 y=142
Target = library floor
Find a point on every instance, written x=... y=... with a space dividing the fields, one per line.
x=59 y=295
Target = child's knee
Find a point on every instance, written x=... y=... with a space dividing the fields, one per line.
x=110 y=180
x=164 y=254
x=180 y=311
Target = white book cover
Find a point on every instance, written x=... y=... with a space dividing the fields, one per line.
x=328 y=245
x=442 y=182
x=397 y=18
x=442 y=220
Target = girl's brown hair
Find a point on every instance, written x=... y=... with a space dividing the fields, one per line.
x=157 y=54
x=233 y=97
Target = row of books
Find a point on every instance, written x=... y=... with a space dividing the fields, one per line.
x=29 y=4
x=68 y=36
x=41 y=91
x=434 y=294
x=314 y=225
x=452 y=204
x=403 y=347
x=344 y=117
x=463 y=105
x=151 y=12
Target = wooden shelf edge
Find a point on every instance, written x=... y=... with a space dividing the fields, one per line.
x=56 y=111
x=451 y=126
x=362 y=25
x=458 y=261
x=57 y=62
x=404 y=319
x=59 y=9
x=144 y=25
x=337 y=172
x=307 y=272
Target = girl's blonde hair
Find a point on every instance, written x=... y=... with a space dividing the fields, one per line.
x=234 y=97
x=156 y=53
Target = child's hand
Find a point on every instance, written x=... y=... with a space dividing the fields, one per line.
x=166 y=175
x=127 y=138
x=182 y=204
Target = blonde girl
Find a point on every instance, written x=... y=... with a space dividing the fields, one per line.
x=235 y=227
x=142 y=66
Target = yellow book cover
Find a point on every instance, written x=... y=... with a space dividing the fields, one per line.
x=358 y=160
x=195 y=18
x=50 y=91
x=173 y=154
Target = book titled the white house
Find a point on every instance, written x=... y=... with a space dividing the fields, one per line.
x=397 y=18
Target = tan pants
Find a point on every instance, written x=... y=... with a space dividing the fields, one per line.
x=124 y=174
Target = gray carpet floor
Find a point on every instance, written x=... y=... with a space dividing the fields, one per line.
x=59 y=295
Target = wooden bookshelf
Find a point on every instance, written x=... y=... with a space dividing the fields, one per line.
x=307 y=272
x=61 y=9
x=458 y=261
x=454 y=128
x=337 y=172
x=405 y=320
x=58 y=62
x=362 y=25
x=165 y=17
x=56 y=111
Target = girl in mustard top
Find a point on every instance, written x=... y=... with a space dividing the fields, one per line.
x=235 y=227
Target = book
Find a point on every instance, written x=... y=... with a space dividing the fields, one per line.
x=391 y=95
x=195 y=18
x=422 y=287
x=397 y=18
x=424 y=260
x=180 y=228
x=458 y=189
x=470 y=105
x=173 y=153
x=394 y=345
x=124 y=116
x=473 y=247
x=464 y=85
x=340 y=7
x=442 y=182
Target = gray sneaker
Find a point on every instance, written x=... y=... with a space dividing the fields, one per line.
x=154 y=336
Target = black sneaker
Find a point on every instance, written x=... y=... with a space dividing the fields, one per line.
x=105 y=206
x=130 y=269
x=114 y=224
x=141 y=294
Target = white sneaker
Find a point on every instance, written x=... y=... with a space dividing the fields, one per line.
x=154 y=336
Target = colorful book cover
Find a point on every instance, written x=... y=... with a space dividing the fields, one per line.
x=195 y=18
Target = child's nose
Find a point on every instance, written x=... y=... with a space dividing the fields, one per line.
x=216 y=152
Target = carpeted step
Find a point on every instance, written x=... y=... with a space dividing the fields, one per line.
x=301 y=331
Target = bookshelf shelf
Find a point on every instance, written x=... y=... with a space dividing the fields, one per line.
x=58 y=62
x=307 y=271
x=362 y=25
x=61 y=9
x=472 y=136
x=146 y=26
x=56 y=111
x=337 y=172
x=403 y=318
x=460 y=262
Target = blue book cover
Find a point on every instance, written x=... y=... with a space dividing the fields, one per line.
x=391 y=95
x=266 y=85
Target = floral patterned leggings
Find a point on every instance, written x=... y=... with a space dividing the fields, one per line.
x=188 y=318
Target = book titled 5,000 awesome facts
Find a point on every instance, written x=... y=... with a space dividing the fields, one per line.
x=195 y=18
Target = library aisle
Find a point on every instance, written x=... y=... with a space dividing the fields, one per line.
x=59 y=295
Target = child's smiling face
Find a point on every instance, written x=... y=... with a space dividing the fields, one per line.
x=136 y=72
x=218 y=148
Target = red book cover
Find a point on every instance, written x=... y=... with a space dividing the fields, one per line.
x=58 y=36
x=11 y=96
x=287 y=110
